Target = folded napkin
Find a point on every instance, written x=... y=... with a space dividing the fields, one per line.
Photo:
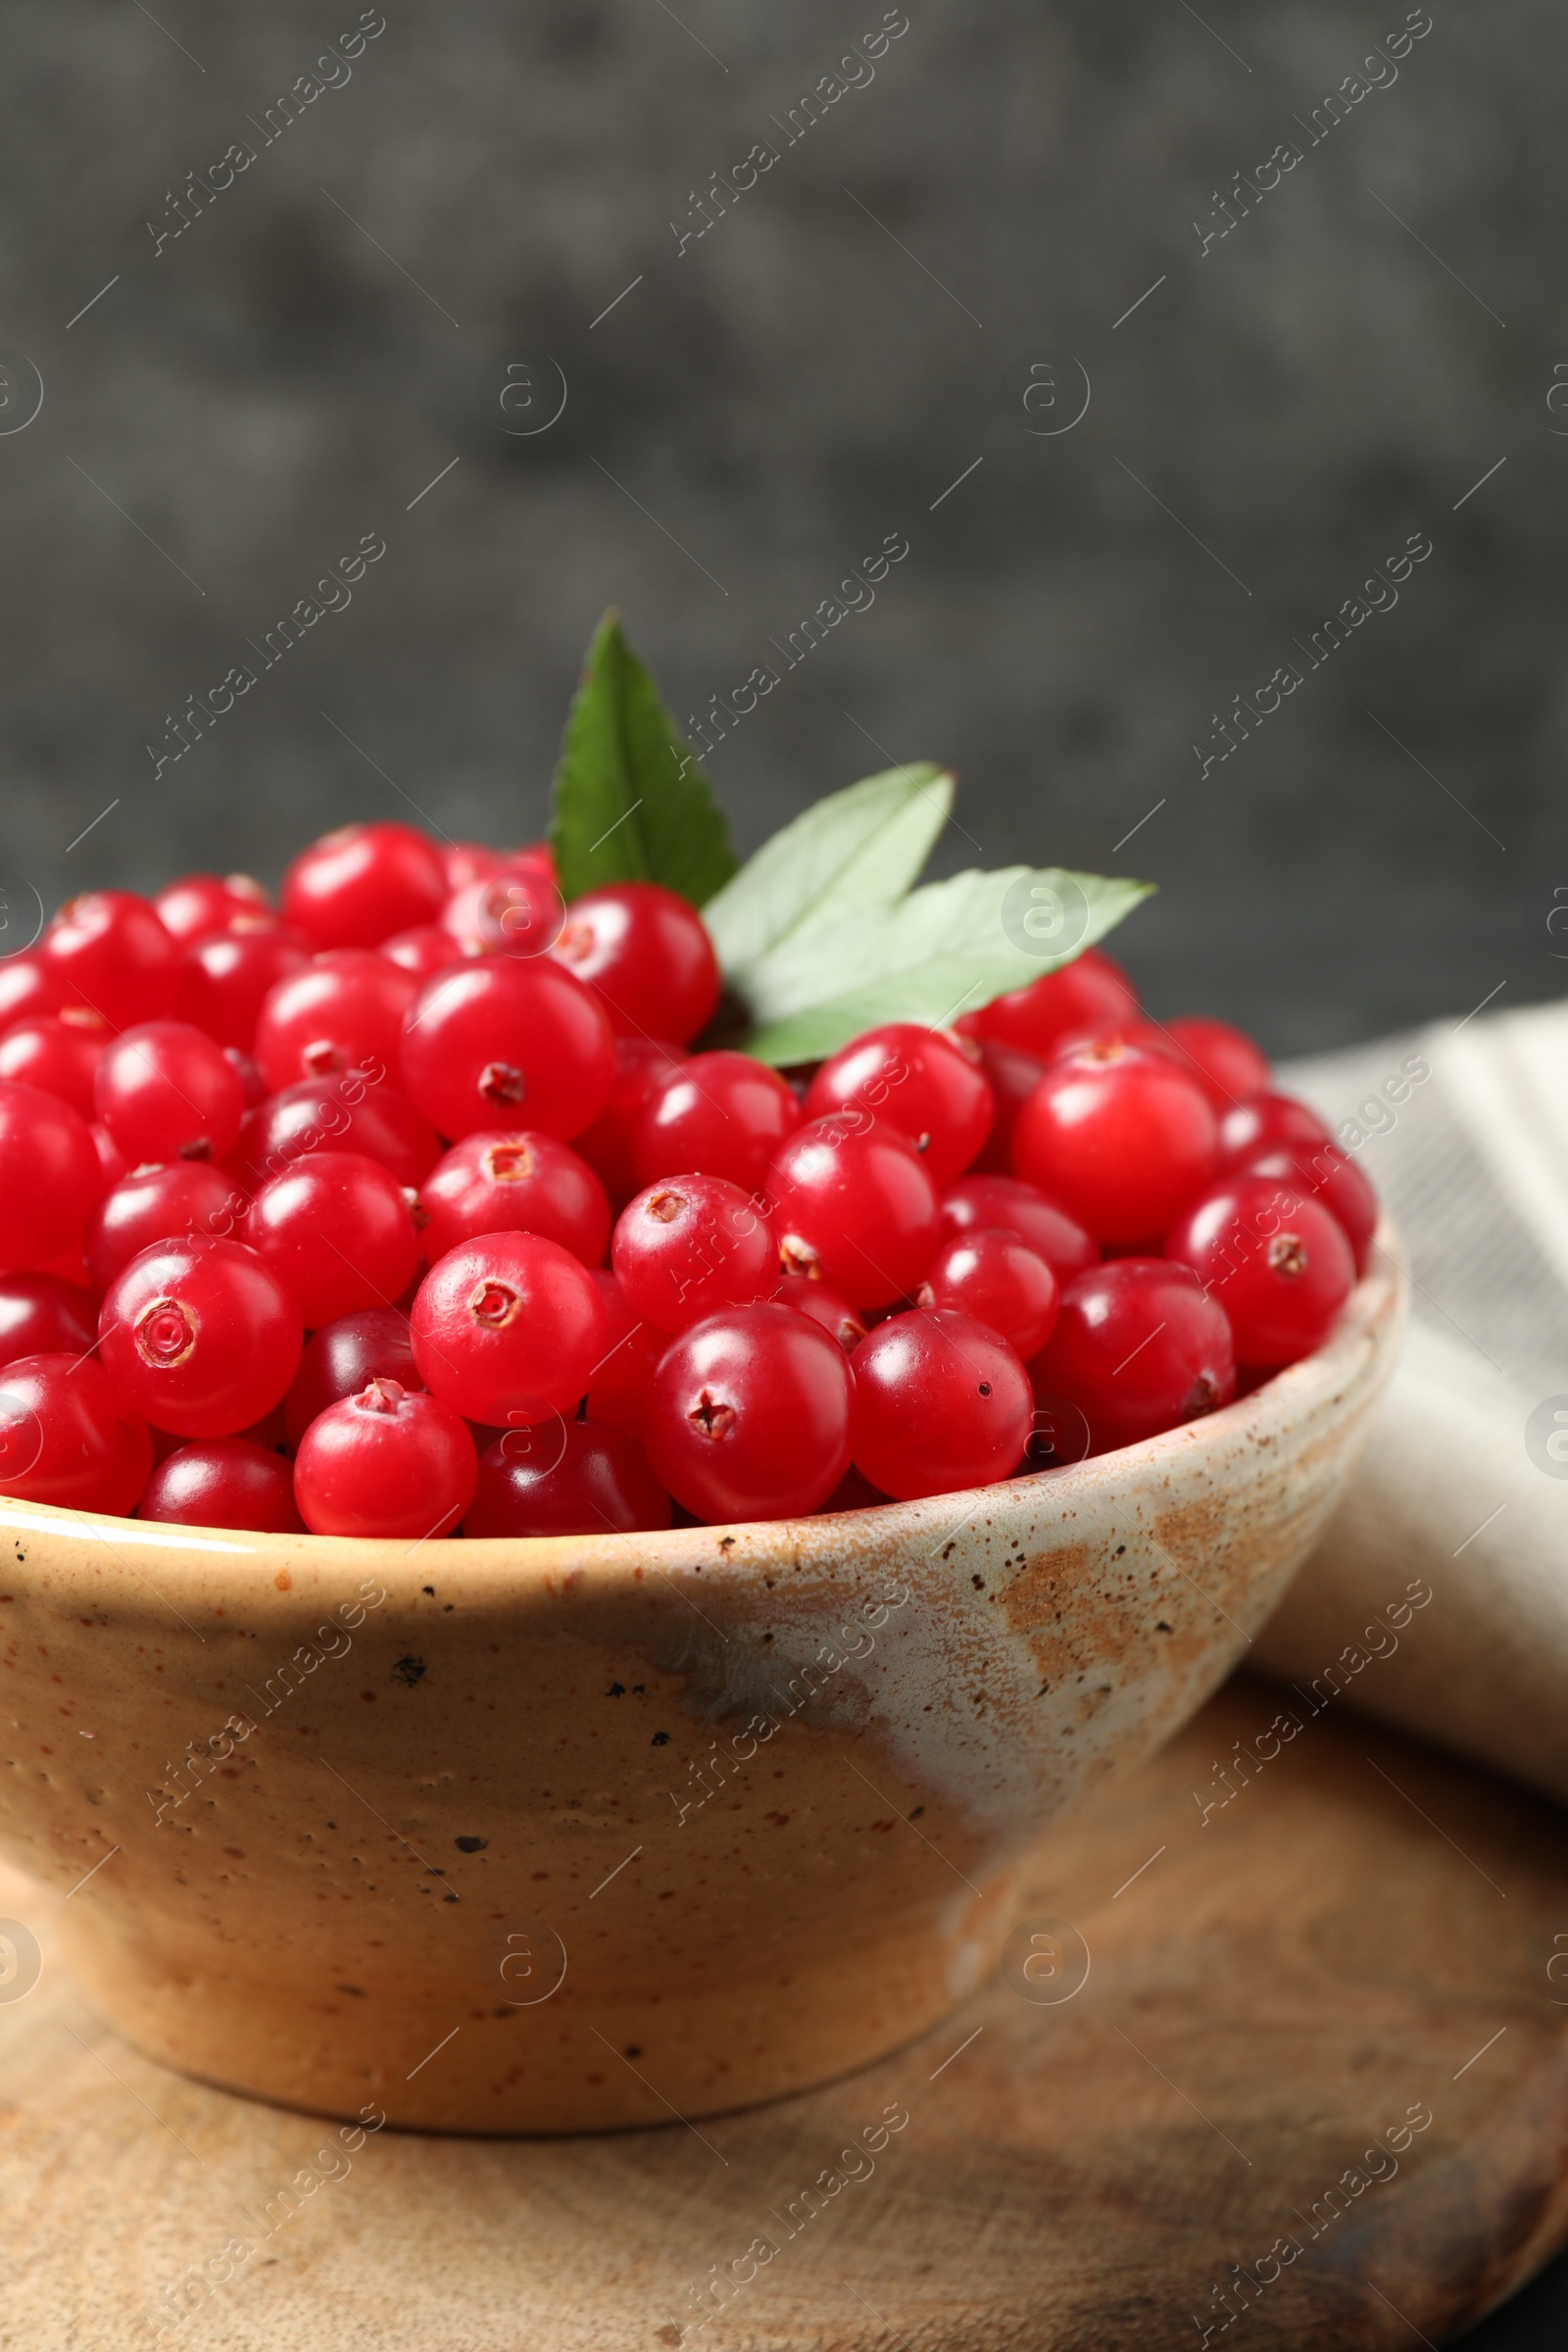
x=1463 y=1488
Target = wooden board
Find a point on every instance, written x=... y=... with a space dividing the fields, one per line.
x=1361 y=1938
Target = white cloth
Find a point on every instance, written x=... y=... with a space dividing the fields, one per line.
x=1464 y=1482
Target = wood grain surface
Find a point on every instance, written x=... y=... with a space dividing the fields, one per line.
x=1314 y=2088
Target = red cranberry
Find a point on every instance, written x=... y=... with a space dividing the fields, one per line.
x=342 y=1012
x=978 y=1203
x=66 y=1437
x=1137 y=1348
x=750 y=1415
x=689 y=1246
x=1089 y=996
x=941 y=1402
x=109 y=950
x=1121 y=1136
x=42 y=1313
x=1322 y=1172
x=568 y=1478
x=1279 y=1266
x=854 y=1205
x=351 y=1113
x=29 y=988
x=503 y=1180
x=60 y=1057
x=515 y=913
x=165 y=1091
x=113 y=1164
x=724 y=1114
x=424 y=949
x=388 y=1462
x=1266 y=1121
x=1012 y=1077
x=647 y=955
x=507 y=1036
x=508 y=1329
x=200 y=1336
x=994 y=1277
x=356 y=887
x=225 y=1482
x=1224 y=1060
x=158 y=1205
x=335 y=1227
x=339 y=1359
x=926 y=1085
x=201 y=902
x=823 y=1303
x=49 y=1177
x=225 y=976
x=620 y=1383
x=641 y=1063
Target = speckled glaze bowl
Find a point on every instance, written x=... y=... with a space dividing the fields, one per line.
x=567 y=1835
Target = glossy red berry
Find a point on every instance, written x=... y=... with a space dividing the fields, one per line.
x=166 y=1091
x=49 y=1177
x=941 y=1403
x=109 y=950
x=853 y=1204
x=1225 y=1062
x=356 y=887
x=929 y=1087
x=721 y=1113
x=750 y=1415
x=68 y=1438
x=351 y=1113
x=201 y=902
x=388 y=1461
x=1264 y=1122
x=1012 y=1076
x=641 y=1062
x=1322 y=1172
x=424 y=949
x=689 y=1246
x=1137 y=1349
x=620 y=1383
x=508 y=1037
x=1119 y=1136
x=508 y=1329
x=159 y=1205
x=223 y=1481
x=29 y=987
x=344 y=1011
x=112 y=1162
x=566 y=1478
x=976 y=1202
x=823 y=1304
x=994 y=1277
x=225 y=976
x=340 y=1358
x=646 y=952
x=514 y=1180
x=1279 y=1266
x=336 y=1228
x=42 y=1313
x=60 y=1057
x=200 y=1336
x=512 y=913
x=1090 y=997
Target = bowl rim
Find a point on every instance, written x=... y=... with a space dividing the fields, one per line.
x=1371 y=1318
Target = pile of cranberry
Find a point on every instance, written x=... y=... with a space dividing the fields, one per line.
x=305 y=1213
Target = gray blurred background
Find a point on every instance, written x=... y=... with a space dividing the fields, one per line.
x=335 y=329
x=367 y=332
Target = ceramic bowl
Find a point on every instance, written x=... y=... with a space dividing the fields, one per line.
x=566 y=1835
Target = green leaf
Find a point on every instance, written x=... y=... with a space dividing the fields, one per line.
x=630 y=803
x=942 y=951
x=857 y=850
